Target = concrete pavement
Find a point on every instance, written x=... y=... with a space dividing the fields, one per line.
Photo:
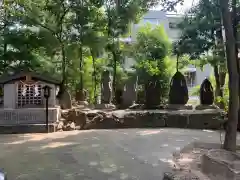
x=126 y=154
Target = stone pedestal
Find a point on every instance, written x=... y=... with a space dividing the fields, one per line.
x=179 y=107
x=206 y=107
x=83 y=103
x=105 y=106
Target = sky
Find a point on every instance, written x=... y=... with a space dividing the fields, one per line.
x=186 y=5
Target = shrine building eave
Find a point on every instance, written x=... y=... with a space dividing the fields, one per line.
x=6 y=78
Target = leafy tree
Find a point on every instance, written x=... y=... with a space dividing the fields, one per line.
x=51 y=17
x=119 y=15
x=202 y=33
x=150 y=52
x=231 y=130
x=86 y=26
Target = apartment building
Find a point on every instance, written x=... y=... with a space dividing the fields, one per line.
x=194 y=75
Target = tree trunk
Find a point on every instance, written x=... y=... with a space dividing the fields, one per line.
x=231 y=130
x=115 y=60
x=4 y=36
x=220 y=82
x=235 y=30
x=81 y=69
x=94 y=76
x=63 y=64
x=177 y=65
x=217 y=80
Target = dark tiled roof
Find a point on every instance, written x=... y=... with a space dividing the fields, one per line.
x=6 y=78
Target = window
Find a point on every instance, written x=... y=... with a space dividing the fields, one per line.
x=190 y=78
x=173 y=25
x=29 y=94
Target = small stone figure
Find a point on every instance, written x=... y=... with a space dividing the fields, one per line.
x=106 y=88
x=153 y=94
x=130 y=92
x=178 y=90
x=206 y=93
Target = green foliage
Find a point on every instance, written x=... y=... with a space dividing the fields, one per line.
x=196 y=91
x=150 y=51
x=65 y=37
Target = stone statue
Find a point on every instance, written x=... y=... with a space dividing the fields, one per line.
x=130 y=92
x=178 y=90
x=206 y=93
x=153 y=94
x=106 y=88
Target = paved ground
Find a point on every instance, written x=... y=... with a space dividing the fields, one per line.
x=127 y=154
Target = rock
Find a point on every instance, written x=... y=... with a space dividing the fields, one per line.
x=84 y=103
x=94 y=123
x=60 y=126
x=70 y=126
x=65 y=100
x=78 y=117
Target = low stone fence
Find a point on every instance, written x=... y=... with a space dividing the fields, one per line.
x=194 y=119
x=96 y=119
x=28 y=116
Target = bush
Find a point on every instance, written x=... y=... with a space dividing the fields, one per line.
x=150 y=51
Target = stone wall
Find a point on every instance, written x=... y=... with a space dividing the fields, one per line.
x=28 y=116
x=193 y=119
